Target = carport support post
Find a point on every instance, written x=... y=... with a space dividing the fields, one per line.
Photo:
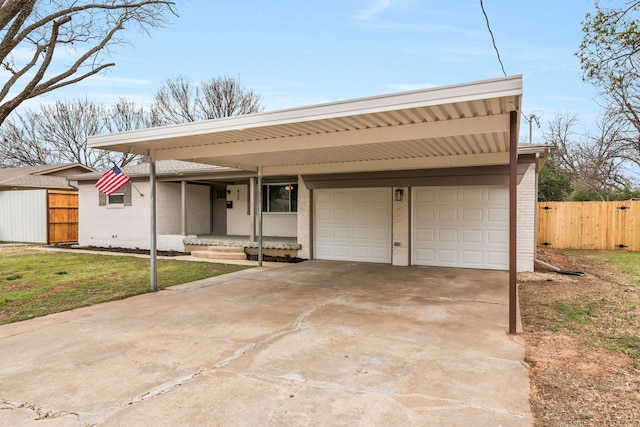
x=183 y=206
x=513 y=218
x=260 y=195
x=153 y=243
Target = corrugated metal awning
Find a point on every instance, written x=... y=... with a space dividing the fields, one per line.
x=452 y=126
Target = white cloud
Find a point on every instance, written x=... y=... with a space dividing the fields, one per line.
x=377 y=7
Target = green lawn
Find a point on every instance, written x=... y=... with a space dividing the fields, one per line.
x=35 y=283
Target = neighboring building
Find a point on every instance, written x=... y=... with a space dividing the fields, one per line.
x=415 y=178
x=29 y=212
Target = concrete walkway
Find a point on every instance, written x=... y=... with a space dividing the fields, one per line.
x=317 y=343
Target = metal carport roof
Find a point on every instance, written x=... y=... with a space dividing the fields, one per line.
x=451 y=126
x=471 y=124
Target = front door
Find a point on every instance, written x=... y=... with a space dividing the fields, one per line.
x=219 y=211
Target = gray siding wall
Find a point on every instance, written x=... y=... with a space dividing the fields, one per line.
x=23 y=216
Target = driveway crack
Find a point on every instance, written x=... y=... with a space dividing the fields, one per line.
x=39 y=412
x=170 y=385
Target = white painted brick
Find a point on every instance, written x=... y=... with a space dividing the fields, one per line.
x=526 y=240
x=304 y=219
x=400 y=232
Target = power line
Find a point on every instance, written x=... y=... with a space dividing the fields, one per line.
x=492 y=38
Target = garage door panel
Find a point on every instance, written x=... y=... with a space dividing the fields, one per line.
x=473 y=194
x=498 y=237
x=473 y=258
x=472 y=236
x=362 y=233
x=448 y=256
x=360 y=221
x=498 y=258
x=424 y=196
x=498 y=195
x=341 y=233
x=426 y=255
x=470 y=227
x=425 y=234
x=425 y=216
x=323 y=214
x=447 y=195
x=497 y=215
x=472 y=215
x=448 y=214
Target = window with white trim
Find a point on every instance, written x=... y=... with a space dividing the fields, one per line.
x=122 y=197
x=282 y=197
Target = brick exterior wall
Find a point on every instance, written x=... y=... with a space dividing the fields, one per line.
x=304 y=219
x=527 y=206
x=401 y=228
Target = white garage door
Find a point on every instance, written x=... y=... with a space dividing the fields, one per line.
x=353 y=224
x=461 y=227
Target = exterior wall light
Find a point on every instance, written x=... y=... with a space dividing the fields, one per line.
x=399 y=194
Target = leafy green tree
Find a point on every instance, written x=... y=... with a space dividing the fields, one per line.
x=611 y=42
x=553 y=185
x=609 y=57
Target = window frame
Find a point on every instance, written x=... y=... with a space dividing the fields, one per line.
x=125 y=192
x=292 y=202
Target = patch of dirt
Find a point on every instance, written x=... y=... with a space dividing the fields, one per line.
x=582 y=342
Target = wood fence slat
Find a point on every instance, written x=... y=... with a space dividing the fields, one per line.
x=63 y=216
x=590 y=225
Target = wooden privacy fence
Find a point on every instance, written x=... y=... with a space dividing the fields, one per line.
x=63 y=216
x=590 y=225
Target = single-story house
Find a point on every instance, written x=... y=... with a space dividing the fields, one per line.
x=38 y=204
x=432 y=177
x=416 y=178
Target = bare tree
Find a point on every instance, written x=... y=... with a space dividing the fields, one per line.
x=595 y=162
x=83 y=32
x=125 y=116
x=181 y=101
x=58 y=133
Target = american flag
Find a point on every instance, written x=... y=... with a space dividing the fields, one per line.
x=112 y=180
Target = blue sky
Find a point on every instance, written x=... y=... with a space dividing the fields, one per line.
x=295 y=53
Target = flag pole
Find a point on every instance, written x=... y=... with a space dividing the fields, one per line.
x=131 y=182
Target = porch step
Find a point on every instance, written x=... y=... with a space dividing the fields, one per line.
x=221 y=252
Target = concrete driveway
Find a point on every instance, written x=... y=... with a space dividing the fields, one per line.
x=317 y=343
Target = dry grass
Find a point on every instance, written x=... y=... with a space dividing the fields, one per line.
x=582 y=340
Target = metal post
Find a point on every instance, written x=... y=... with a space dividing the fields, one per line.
x=260 y=195
x=513 y=219
x=252 y=209
x=183 y=194
x=153 y=248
